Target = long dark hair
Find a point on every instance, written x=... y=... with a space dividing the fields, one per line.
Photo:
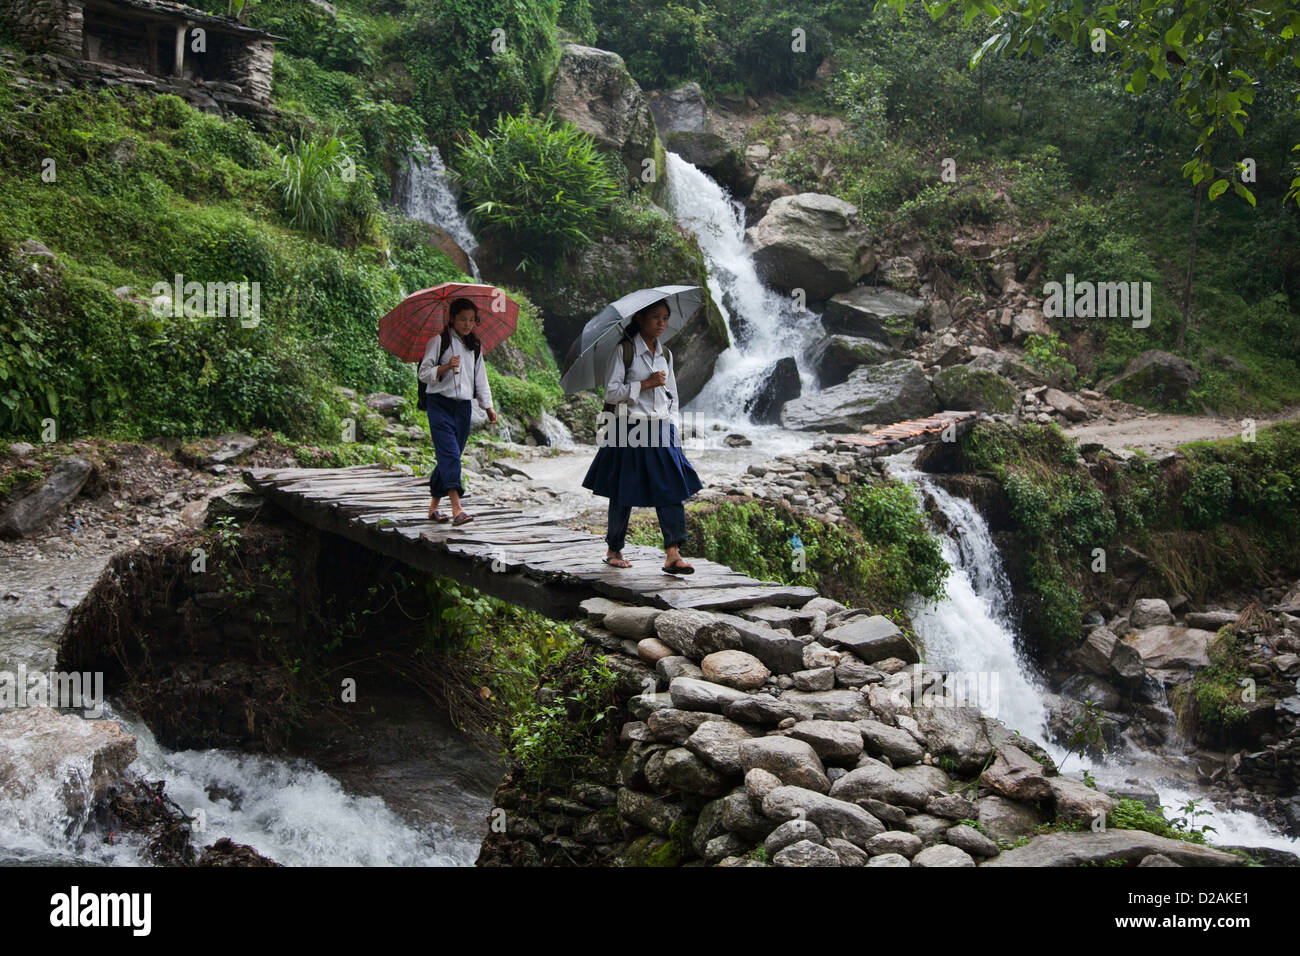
x=460 y=305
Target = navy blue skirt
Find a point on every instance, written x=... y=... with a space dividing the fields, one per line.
x=650 y=475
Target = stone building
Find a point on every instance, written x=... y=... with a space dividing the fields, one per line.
x=217 y=63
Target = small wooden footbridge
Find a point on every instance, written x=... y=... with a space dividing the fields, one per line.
x=527 y=559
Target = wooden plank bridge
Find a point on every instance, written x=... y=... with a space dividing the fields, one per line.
x=527 y=559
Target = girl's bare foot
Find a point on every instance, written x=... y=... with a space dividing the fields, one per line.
x=615 y=560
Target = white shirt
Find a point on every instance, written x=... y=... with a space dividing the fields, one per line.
x=621 y=389
x=452 y=385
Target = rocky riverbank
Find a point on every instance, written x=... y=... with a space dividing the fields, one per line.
x=811 y=737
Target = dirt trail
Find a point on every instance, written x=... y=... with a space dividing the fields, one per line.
x=1154 y=432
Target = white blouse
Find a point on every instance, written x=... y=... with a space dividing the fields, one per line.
x=661 y=402
x=452 y=385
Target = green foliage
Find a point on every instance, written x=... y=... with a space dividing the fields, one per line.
x=880 y=565
x=540 y=183
x=1129 y=814
x=560 y=738
x=1211 y=702
x=1048 y=354
x=322 y=189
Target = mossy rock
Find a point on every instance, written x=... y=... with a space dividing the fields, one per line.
x=960 y=388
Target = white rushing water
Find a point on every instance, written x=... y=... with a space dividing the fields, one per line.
x=972 y=631
x=286 y=809
x=423 y=192
x=762 y=323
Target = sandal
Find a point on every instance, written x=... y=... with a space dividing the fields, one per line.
x=617 y=557
x=678 y=567
x=439 y=517
x=463 y=518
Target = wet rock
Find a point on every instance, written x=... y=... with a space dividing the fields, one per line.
x=1075 y=800
x=781 y=383
x=1171 y=653
x=892 y=392
x=37 y=509
x=1107 y=656
x=965 y=388
x=70 y=759
x=875 y=312
x=1014 y=774
x=835 y=357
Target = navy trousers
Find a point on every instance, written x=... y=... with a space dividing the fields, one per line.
x=449 y=429
x=672 y=522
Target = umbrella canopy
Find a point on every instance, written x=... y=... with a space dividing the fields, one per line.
x=602 y=335
x=420 y=316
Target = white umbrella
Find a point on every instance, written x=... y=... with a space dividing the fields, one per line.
x=604 y=333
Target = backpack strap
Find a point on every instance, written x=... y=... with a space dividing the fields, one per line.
x=478 y=351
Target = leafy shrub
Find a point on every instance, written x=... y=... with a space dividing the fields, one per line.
x=313 y=185
x=1048 y=354
x=542 y=184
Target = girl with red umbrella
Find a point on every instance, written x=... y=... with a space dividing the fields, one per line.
x=450 y=392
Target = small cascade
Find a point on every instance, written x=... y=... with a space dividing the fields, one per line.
x=557 y=434
x=762 y=323
x=972 y=631
x=422 y=192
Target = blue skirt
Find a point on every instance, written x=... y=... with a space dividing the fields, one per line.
x=648 y=476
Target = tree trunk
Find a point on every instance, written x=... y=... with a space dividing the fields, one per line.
x=1191 y=265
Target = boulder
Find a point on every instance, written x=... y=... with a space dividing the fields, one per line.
x=957 y=733
x=1004 y=819
x=1014 y=774
x=790 y=832
x=680 y=110
x=881 y=740
x=780 y=384
x=942 y=855
x=1069 y=848
x=874 y=780
x=735 y=669
x=835 y=357
x=1071 y=408
x=875 y=312
x=593 y=90
x=966 y=388
x=673 y=726
x=889 y=859
x=688 y=693
x=806 y=853
x=810 y=241
x=717 y=743
x=64 y=757
x=1108 y=657
x=647 y=812
x=1075 y=800
x=834 y=740
x=1154 y=377
x=872 y=639
x=894 y=841
x=37 y=509
x=1171 y=653
x=793 y=761
x=893 y=392
x=1028 y=322
x=680 y=770
x=635 y=623
x=1148 y=612
x=695 y=633
x=834 y=818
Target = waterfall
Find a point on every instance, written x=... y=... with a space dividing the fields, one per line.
x=972 y=631
x=555 y=432
x=423 y=192
x=762 y=322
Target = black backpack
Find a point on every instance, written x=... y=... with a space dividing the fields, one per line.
x=422 y=402
x=629 y=349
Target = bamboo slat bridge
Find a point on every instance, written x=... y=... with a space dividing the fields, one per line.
x=526 y=559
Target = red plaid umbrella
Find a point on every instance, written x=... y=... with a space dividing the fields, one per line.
x=420 y=316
